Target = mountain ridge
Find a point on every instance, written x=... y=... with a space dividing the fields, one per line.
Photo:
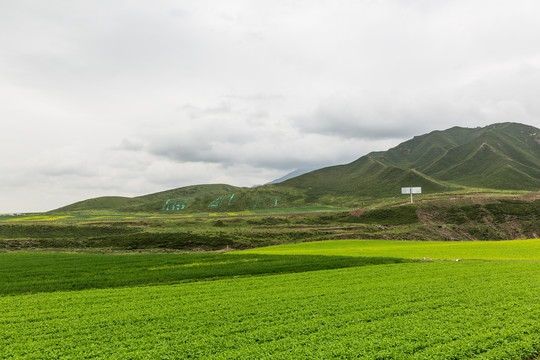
x=502 y=156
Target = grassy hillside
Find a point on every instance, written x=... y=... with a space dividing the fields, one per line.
x=365 y=177
x=100 y=203
x=195 y=199
x=505 y=157
x=437 y=151
x=190 y=191
x=152 y=202
x=425 y=149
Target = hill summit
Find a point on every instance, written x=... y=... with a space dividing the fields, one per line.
x=504 y=156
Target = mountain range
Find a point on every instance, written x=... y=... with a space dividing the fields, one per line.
x=503 y=156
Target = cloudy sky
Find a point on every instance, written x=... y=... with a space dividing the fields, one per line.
x=133 y=97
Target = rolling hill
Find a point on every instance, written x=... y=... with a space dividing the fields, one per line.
x=151 y=202
x=504 y=156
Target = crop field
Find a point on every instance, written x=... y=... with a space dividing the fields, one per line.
x=323 y=300
x=442 y=250
x=429 y=310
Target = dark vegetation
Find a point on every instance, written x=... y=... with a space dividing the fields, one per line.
x=466 y=219
x=397 y=215
x=503 y=219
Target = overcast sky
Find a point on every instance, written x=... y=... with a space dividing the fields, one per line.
x=134 y=97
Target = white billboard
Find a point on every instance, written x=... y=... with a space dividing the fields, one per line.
x=411 y=190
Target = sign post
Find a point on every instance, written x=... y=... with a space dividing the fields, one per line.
x=411 y=190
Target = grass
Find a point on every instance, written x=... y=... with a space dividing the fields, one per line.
x=446 y=250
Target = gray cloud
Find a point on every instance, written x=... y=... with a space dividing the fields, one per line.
x=241 y=135
x=505 y=93
x=195 y=112
x=256 y=97
x=356 y=119
x=130 y=145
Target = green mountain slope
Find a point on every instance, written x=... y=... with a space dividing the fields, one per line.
x=365 y=177
x=423 y=150
x=190 y=191
x=150 y=202
x=483 y=163
x=100 y=203
x=500 y=156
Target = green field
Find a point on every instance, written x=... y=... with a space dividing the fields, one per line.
x=437 y=310
x=323 y=300
x=443 y=250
